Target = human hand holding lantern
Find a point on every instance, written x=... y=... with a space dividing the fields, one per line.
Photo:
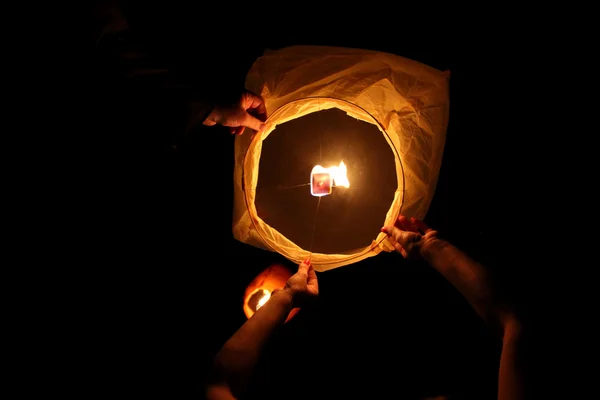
x=234 y=363
x=247 y=111
x=410 y=236
x=302 y=287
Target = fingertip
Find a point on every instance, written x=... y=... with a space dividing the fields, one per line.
x=404 y=223
x=422 y=226
x=414 y=223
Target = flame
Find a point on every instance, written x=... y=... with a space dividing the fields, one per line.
x=266 y=296
x=339 y=175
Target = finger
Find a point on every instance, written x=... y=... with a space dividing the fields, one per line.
x=304 y=266
x=393 y=236
x=232 y=130
x=396 y=235
x=403 y=223
x=413 y=224
x=252 y=122
x=391 y=231
x=420 y=225
x=312 y=275
x=261 y=115
x=423 y=226
x=239 y=130
x=255 y=102
x=401 y=249
x=260 y=112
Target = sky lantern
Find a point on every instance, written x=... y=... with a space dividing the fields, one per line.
x=354 y=137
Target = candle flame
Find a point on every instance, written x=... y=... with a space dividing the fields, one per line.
x=265 y=297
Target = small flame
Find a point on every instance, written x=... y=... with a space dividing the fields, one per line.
x=339 y=175
x=266 y=296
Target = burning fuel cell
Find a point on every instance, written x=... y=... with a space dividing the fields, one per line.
x=322 y=180
x=321 y=183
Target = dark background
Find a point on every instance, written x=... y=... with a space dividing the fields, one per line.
x=173 y=277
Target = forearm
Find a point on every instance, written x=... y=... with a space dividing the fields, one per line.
x=471 y=279
x=128 y=71
x=124 y=56
x=235 y=362
x=511 y=378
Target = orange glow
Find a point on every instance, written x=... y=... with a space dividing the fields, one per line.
x=259 y=290
x=265 y=297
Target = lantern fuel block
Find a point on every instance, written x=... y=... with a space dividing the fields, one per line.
x=322 y=180
x=404 y=103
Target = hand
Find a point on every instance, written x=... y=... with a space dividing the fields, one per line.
x=409 y=236
x=303 y=286
x=249 y=111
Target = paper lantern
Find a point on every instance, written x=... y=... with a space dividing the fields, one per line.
x=259 y=290
x=353 y=138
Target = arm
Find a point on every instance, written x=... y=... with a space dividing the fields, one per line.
x=414 y=239
x=470 y=278
x=474 y=282
x=125 y=59
x=234 y=363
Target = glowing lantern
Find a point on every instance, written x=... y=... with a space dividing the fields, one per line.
x=259 y=290
x=353 y=138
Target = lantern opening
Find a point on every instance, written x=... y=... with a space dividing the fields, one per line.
x=326 y=181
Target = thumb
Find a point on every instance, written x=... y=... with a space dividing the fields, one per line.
x=252 y=122
x=303 y=268
x=388 y=230
x=394 y=233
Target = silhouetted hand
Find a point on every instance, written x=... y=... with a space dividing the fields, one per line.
x=302 y=287
x=410 y=236
x=249 y=111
